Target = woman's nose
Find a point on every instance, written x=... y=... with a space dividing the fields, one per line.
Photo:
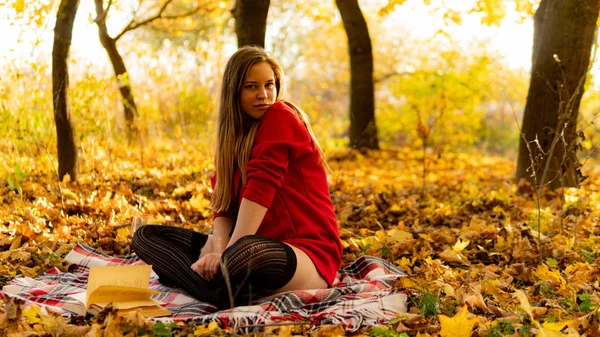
x=262 y=93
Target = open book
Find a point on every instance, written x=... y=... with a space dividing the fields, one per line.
x=126 y=287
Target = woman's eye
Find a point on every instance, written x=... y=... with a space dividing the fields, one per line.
x=270 y=85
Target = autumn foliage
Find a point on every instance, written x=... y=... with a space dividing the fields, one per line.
x=470 y=243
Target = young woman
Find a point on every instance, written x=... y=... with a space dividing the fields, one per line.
x=274 y=225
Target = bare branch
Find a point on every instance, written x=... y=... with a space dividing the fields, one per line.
x=133 y=25
x=390 y=75
x=102 y=17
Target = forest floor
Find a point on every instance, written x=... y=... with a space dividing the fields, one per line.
x=482 y=257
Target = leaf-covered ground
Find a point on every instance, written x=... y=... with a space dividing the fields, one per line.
x=469 y=238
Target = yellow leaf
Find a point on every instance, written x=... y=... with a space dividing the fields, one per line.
x=556 y=326
x=459 y=325
x=331 y=331
x=448 y=290
x=285 y=331
x=404 y=263
x=545 y=274
x=32 y=313
x=19 y=6
x=199 y=202
x=16 y=242
x=67 y=193
x=381 y=236
x=399 y=235
x=123 y=233
x=524 y=302
x=206 y=330
x=587 y=144
x=460 y=245
x=452 y=256
x=372 y=242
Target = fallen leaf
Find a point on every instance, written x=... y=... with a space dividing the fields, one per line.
x=67 y=193
x=460 y=245
x=32 y=314
x=285 y=331
x=459 y=325
x=331 y=331
x=123 y=233
x=524 y=302
x=451 y=256
x=205 y=330
x=545 y=274
x=397 y=235
x=72 y=330
x=16 y=243
x=14 y=308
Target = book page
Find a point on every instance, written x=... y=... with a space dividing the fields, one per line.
x=137 y=276
x=106 y=294
x=153 y=311
x=134 y=304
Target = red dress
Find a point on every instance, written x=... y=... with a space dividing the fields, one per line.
x=285 y=176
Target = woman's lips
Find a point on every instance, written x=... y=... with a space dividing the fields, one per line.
x=262 y=106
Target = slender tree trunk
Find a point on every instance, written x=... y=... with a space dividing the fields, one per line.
x=63 y=31
x=555 y=90
x=363 y=130
x=251 y=21
x=110 y=45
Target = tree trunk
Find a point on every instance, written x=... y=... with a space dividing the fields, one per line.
x=363 y=130
x=110 y=45
x=251 y=21
x=555 y=90
x=538 y=24
x=63 y=31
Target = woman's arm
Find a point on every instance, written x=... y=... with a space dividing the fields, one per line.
x=221 y=228
x=250 y=216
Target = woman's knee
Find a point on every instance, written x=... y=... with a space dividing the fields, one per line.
x=143 y=237
x=244 y=244
x=266 y=262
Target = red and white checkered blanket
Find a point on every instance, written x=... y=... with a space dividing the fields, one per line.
x=361 y=295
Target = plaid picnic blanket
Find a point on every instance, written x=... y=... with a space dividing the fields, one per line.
x=361 y=295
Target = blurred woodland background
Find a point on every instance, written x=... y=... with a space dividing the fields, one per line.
x=443 y=86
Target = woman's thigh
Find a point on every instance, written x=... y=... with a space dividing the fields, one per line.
x=306 y=275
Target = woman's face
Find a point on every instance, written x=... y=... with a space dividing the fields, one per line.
x=258 y=90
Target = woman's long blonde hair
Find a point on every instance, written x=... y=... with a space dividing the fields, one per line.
x=235 y=130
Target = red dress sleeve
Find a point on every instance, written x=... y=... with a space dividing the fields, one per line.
x=280 y=139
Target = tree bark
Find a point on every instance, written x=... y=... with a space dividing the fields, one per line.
x=555 y=91
x=251 y=21
x=363 y=130
x=63 y=32
x=110 y=45
x=538 y=25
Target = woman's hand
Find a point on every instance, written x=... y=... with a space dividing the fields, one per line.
x=207 y=266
